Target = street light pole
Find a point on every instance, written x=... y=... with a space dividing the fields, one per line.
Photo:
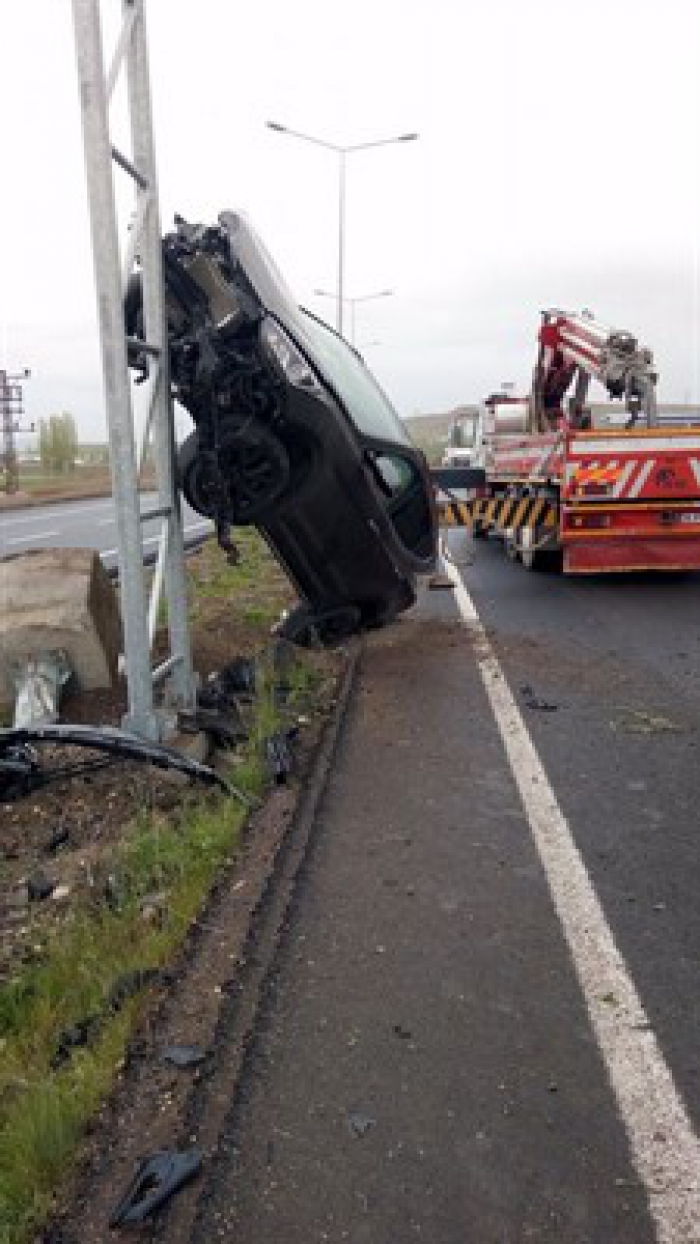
x=341 y=241
x=341 y=152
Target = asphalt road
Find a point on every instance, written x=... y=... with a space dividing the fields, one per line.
x=82 y=524
x=484 y=1024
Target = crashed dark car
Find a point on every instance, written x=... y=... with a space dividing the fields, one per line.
x=292 y=433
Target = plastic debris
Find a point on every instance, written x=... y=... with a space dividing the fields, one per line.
x=360 y=1124
x=157 y=1178
x=183 y=1055
x=533 y=702
x=38 y=682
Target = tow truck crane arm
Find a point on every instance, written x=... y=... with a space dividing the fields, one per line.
x=576 y=348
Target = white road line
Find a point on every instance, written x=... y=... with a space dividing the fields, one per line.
x=20 y=522
x=106 y=522
x=665 y=1149
x=39 y=535
x=154 y=539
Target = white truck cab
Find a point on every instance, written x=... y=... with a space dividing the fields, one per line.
x=465 y=440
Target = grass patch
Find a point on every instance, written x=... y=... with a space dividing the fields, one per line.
x=43 y=1110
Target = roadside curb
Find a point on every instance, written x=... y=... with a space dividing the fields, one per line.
x=27 y=502
x=208 y=1111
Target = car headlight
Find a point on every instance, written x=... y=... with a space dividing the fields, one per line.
x=288 y=358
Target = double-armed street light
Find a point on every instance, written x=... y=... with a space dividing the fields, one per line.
x=342 y=152
x=352 y=303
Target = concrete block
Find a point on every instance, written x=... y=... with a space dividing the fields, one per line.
x=59 y=598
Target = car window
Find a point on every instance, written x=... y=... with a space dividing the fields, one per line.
x=396 y=473
x=357 y=389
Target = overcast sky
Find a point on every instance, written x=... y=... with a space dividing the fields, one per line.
x=558 y=164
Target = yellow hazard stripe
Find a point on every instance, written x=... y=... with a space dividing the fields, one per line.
x=500 y=512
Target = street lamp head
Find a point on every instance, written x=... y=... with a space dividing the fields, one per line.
x=275 y=125
x=407 y=138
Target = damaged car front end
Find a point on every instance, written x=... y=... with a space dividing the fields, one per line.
x=292 y=433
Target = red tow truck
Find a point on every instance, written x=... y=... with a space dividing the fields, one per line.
x=619 y=496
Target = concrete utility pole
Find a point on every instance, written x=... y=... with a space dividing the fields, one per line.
x=126 y=447
x=11 y=408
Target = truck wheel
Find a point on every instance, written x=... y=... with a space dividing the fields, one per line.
x=479 y=532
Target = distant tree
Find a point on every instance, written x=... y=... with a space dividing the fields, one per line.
x=44 y=446
x=58 y=443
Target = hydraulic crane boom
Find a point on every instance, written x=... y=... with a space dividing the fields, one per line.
x=576 y=348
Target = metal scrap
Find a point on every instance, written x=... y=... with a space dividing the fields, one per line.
x=21 y=771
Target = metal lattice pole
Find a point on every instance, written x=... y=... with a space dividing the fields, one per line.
x=111 y=276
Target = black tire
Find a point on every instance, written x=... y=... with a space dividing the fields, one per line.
x=253 y=473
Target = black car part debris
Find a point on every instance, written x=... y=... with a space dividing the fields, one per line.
x=532 y=701
x=84 y=1032
x=225 y=728
x=278 y=754
x=292 y=433
x=39 y=887
x=155 y=1181
x=21 y=771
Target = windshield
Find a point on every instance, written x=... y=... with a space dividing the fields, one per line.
x=463 y=434
x=357 y=389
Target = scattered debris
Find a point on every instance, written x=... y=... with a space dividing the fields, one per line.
x=39 y=887
x=404 y=1034
x=278 y=754
x=84 y=1033
x=59 y=838
x=225 y=727
x=533 y=702
x=183 y=1055
x=238 y=678
x=637 y=721
x=360 y=1124
x=155 y=1181
x=130 y=983
x=154 y=909
x=61 y=893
